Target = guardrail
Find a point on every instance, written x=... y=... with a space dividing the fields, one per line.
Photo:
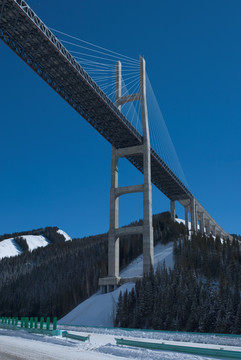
x=75 y=337
x=31 y=325
x=217 y=353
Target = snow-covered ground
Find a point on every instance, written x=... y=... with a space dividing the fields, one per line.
x=10 y=248
x=99 y=309
x=102 y=345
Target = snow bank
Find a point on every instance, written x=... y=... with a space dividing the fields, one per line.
x=99 y=309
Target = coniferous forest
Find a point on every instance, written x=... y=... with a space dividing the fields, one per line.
x=201 y=293
x=51 y=281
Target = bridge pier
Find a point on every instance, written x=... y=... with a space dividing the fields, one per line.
x=113 y=280
x=172 y=209
x=208 y=228
x=186 y=217
x=193 y=216
x=214 y=230
x=113 y=241
x=201 y=222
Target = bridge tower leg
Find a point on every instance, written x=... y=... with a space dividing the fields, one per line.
x=172 y=209
x=113 y=241
x=146 y=229
x=148 y=252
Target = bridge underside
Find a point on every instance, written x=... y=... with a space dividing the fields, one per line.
x=31 y=40
x=23 y=32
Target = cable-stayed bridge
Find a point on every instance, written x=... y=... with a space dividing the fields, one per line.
x=24 y=32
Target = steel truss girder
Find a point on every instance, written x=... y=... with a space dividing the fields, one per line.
x=23 y=31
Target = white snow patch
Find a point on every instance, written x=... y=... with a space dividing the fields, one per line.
x=181 y=221
x=66 y=236
x=35 y=241
x=161 y=253
x=8 y=248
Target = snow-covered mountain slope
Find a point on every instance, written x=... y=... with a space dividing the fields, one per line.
x=66 y=236
x=98 y=310
x=9 y=247
x=35 y=241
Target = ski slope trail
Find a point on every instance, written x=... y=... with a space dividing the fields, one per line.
x=99 y=309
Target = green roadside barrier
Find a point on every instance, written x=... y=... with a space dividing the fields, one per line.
x=26 y=321
x=75 y=337
x=31 y=325
x=216 y=353
x=35 y=322
x=54 y=323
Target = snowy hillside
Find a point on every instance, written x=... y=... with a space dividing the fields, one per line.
x=98 y=309
x=66 y=236
x=9 y=247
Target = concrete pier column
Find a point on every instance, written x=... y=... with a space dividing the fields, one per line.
x=208 y=226
x=193 y=216
x=172 y=209
x=186 y=217
x=214 y=230
x=201 y=222
x=148 y=252
x=113 y=241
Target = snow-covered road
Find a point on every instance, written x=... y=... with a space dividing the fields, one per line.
x=20 y=345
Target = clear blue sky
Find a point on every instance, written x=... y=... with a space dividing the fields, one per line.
x=55 y=169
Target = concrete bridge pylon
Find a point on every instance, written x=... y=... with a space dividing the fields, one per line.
x=146 y=229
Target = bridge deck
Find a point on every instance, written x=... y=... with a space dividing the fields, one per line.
x=33 y=42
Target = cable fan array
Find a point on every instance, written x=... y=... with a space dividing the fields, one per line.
x=160 y=138
x=100 y=63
